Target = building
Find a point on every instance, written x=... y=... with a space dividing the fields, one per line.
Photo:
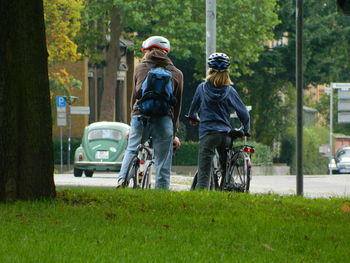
x=92 y=77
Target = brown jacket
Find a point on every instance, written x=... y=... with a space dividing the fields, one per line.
x=158 y=58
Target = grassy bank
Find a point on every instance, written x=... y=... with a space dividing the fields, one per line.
x=104 y=225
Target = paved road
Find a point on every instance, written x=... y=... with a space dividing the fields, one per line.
x=314 y=186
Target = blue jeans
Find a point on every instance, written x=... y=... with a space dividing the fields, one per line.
x=161 y=130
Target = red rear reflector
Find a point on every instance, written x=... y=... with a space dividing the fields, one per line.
x=80 y=156
x=248 y=150
x=249 y=164
x=142 y=162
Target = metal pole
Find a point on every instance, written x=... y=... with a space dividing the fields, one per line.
x=69 y=136
x=331 y=129
x=61 y=168
x=299 y=86
x=210 y=9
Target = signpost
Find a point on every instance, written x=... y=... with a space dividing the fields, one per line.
x=210 y=25
x=80 y=110
x=343 y=110
x=61 y=121
x=74 y=110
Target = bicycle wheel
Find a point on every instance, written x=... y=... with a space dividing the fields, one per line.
x=146 y=179
x=131 y=175
x=239 y=178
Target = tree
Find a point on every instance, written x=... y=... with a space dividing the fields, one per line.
x=26 y=154
x=326 y=60
x=62 y=23
x=243 y=27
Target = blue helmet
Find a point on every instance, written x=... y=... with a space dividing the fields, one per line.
x=219 y=62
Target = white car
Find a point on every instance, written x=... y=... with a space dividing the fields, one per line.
x=341 y=162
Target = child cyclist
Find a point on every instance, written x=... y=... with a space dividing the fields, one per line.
x=215 y=99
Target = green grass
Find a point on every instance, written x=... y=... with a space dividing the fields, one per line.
x=104 y=225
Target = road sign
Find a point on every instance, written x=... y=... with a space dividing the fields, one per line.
x=344 y=105
x=80 y=110
x=342 y=86
x=343 y=94
x=344 y=117
x=61 y=116
x=61 y=101
x=343 y=101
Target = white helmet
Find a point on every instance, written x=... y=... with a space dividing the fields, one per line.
x=156 y=41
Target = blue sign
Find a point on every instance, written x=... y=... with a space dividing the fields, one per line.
x=61 y=101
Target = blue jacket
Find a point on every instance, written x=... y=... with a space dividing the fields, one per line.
x=214 y=106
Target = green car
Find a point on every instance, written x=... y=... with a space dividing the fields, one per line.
x=102 y=148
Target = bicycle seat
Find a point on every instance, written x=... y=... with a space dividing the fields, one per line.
x=192 y=119
x=236 y=133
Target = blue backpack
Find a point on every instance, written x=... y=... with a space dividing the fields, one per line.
x=155 y=97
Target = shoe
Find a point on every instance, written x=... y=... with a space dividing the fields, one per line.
x=120 y=183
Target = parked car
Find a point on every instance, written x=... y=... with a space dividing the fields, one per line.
x=102 y=148
x=341 y=161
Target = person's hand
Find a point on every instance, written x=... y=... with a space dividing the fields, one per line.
x=176 y=143
x=127 y=136
x=193 y=123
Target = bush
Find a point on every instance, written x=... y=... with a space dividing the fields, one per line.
x=188 y=154
x=314 y=162
x=262 y=155
x=75 y=143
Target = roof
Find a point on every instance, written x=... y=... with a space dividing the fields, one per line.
x=104 y=124
x=308 y=109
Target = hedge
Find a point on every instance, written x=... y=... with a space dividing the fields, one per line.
x=75 y=143
x=187 y=155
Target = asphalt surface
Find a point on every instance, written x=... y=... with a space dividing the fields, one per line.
x=313 y=186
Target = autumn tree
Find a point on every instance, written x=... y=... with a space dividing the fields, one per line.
x=62 y=22
x=26 y=154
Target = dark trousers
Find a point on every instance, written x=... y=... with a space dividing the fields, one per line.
x=207 y=145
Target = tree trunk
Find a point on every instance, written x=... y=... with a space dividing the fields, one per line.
x=112 y=65
x=26 y=152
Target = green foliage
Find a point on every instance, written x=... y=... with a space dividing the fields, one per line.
x=75 y=143
x=105 y=225
x=262 y=155
x=188 y=153
x=326 y=46
x=314 y=162
x=242 y=27
x=327 y=38
x=62 y=22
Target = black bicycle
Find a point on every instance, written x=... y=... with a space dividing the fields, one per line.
x=237 y=175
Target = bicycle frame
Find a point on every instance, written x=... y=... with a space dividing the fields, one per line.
x=145 y=156
x=140 y=167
